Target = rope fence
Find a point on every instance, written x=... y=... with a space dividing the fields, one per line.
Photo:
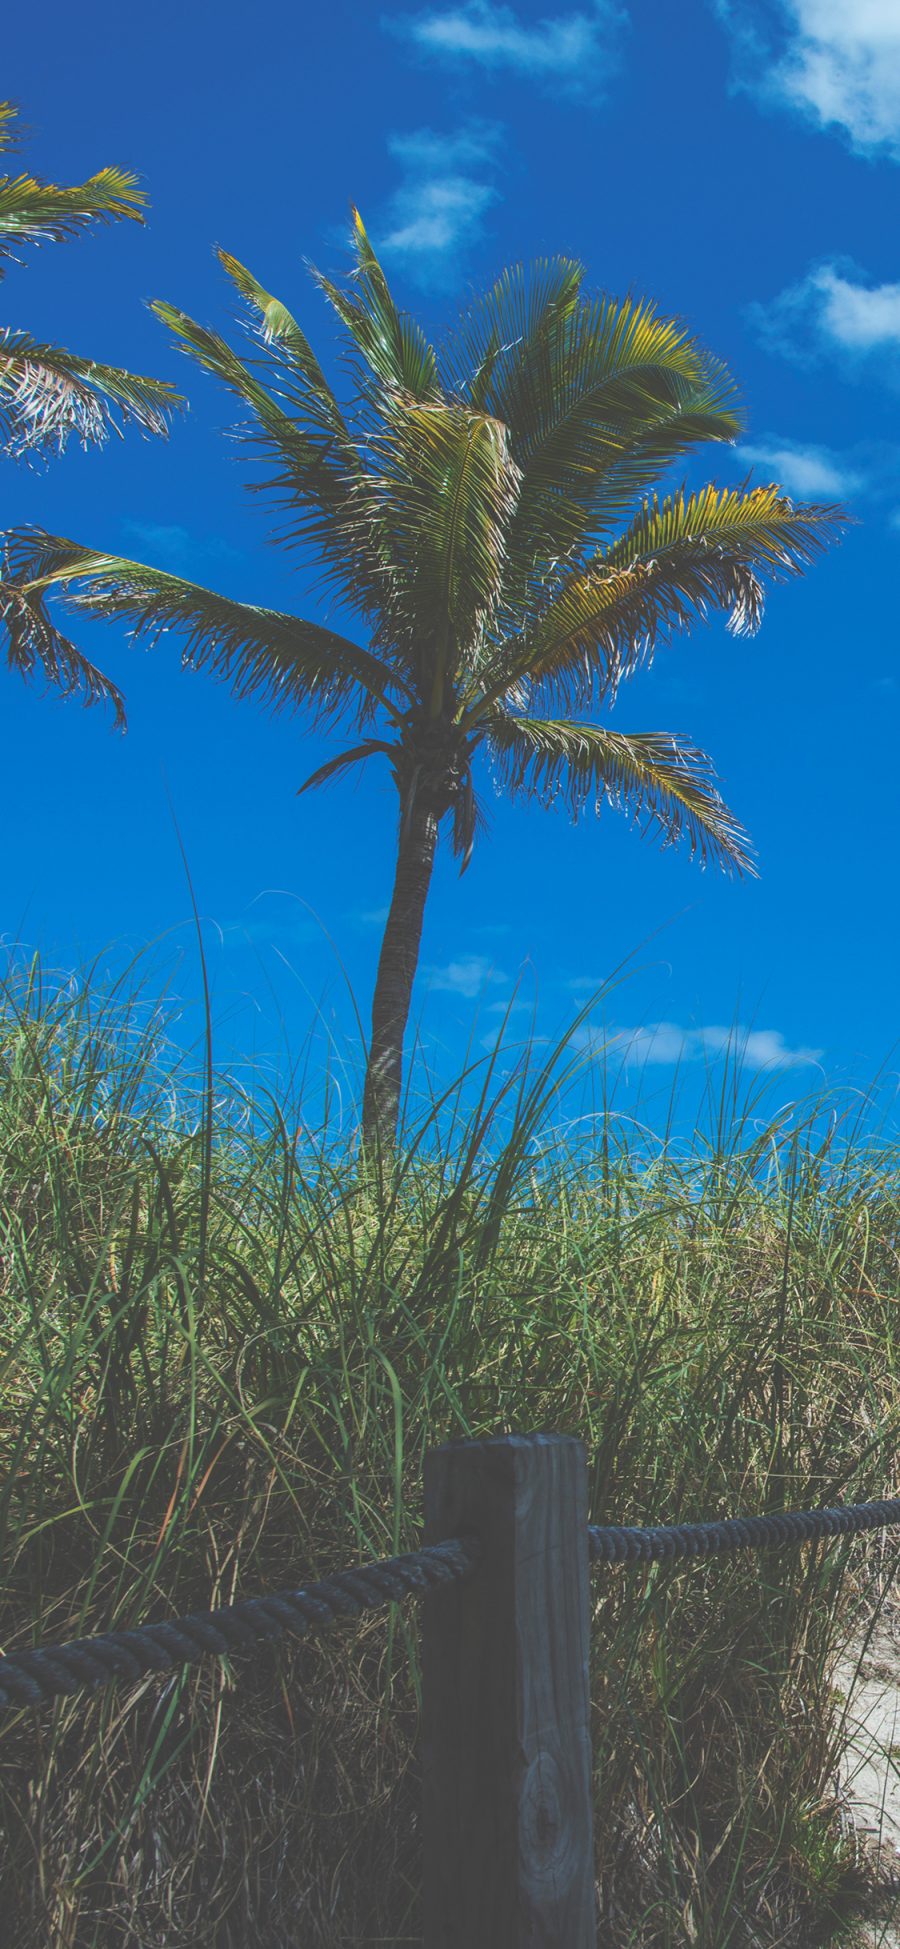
x=43 y=1672
x=616 y=1545
x=507 y=1771
x=83 y=1664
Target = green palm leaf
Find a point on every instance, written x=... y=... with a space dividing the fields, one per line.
x=501 y=335
x=394 y=347
x=8 y=115
x=277 y=659
x=442 y=491
x=32 y=211
x=35 y=645
x=335 y=767
x=47 y=395
x=599 y=398
x=680 y=560
x=469 y=821
x=300 y=366
x=303 y=449
x=665 y=785
x=318 y=477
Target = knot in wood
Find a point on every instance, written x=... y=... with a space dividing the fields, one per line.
x=549 y=1822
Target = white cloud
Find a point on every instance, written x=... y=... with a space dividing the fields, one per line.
x=862 y=318
x=803 y=470
x=437 y=216
x=832 y=311
x=577 y=49
x=660 y=1042
x=438 y=208
x=669 y=1043
x=869 y=471
x=424 y=151
x=467 y=976
x=757 y=1048
x=835 y=62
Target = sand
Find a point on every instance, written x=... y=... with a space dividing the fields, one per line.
x=870 y=1775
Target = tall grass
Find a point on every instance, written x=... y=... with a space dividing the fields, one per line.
x=222 y=1356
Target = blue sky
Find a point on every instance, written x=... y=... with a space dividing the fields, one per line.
x=739 y=164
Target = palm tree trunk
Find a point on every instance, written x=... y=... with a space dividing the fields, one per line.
x=396 y=973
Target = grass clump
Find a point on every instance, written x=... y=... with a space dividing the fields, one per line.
x=222 y=1356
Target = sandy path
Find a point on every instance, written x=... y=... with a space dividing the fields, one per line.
x=870 y=1776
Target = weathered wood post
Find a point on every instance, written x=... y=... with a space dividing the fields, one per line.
x=506 y=1734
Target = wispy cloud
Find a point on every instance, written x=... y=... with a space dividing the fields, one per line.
x=576 y=49
x=803 y=470
x=169 y=545
x=438 y=208
x=833 y=311
x=758 y=1048
x=867 y=474
x=466 y=977
x=667 y=1043
x=834 y=62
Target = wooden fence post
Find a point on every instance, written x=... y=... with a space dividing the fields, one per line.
x=507 y=1811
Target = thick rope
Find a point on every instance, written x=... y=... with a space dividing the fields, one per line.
x=84 y=1664
x=619 y=1545
x=47 y=1671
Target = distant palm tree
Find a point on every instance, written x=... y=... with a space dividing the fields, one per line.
x=485 y=517
x=47 y=394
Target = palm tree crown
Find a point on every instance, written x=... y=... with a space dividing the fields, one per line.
x=489 y=519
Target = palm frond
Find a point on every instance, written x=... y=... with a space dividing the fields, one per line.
x=48 y=394
x=344 y=760
x=33 y=212
x=306 y=451
x=760 y=524
x=9 y=138
x=603 y=453
x=605 y=369
x=393 y=346
x=468 y=820
x=666 y=786
x=279 y=329
x=443 y=493
x=279 y=660
x=599 y=397
x=34 y=645
x=318 y=471
x=682 y=559
x=501 y=332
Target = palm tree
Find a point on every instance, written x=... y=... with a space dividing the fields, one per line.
x=46 y=394
x=488 y=518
